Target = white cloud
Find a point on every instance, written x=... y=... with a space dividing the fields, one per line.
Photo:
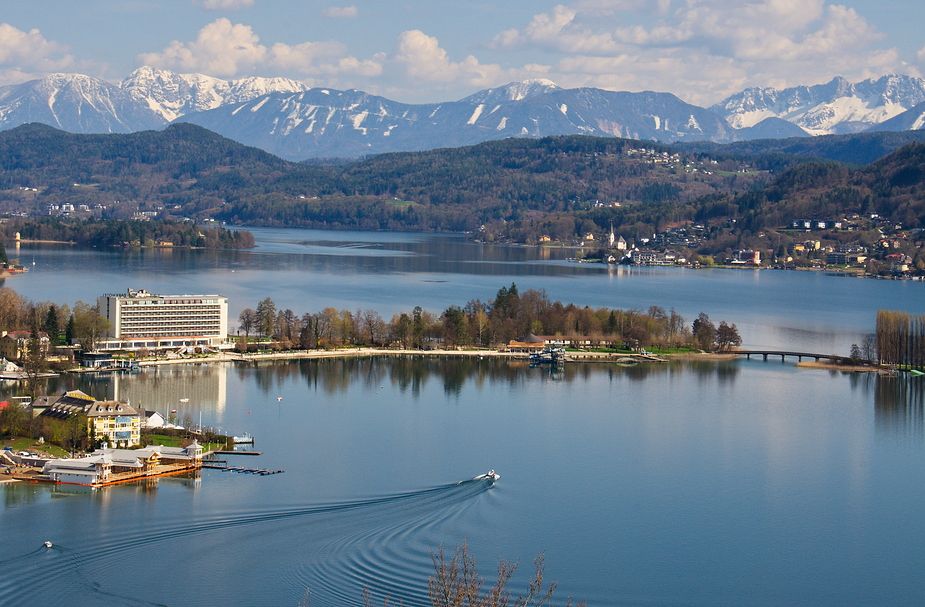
x=220 y=49
x=225 y=5
x=341 y=12
x=419 y=58
x=701 y=50
x=224 y=49
x=22 y=53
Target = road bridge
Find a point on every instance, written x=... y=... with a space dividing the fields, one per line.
x=835 y=358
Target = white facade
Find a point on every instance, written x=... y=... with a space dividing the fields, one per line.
x=139 y=319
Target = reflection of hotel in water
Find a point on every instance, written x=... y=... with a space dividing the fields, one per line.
x=162 y=388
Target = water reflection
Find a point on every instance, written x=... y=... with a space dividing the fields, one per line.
x=409 y=374
x=899 y=401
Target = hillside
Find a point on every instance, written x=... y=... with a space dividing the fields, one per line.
x=858 y=149
x=187 y=171
x=513 y=190
x=184 y=168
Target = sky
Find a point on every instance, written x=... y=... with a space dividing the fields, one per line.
x=420 y=52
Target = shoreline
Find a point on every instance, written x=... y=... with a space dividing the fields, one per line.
x=384 y=352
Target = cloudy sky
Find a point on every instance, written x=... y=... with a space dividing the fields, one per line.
x=414 y=51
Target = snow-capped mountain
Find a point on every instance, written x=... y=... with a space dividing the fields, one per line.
x=515 y=91
x=836 y=107
x=286 y=118
x=75 y=103
x=912 y=119
x=326 y=122
x=148 y=99
x=172 y=95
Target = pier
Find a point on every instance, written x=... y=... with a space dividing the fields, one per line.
x=243 y=470
x=835 y=358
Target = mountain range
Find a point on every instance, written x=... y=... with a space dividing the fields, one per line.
x=295 y=122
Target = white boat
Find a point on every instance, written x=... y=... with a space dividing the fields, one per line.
x=490 y=476
x=247 y=439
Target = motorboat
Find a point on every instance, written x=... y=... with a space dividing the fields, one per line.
x=549 y=356
x=490 y=476
x=48 y=544
x=247 y=439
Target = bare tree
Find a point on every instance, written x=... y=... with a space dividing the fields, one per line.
x=248 y=319
x=456 y=583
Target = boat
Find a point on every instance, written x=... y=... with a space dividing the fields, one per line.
x=48 y=544
x=247 y=439
x=551 y=355
x=490 y=476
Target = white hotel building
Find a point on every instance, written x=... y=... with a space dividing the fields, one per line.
x=139 y=319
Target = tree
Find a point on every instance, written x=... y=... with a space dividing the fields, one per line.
x=869 y=348
x=248 y=320
x=704 y=332
x=417 y=327
x=455 y=327
x=456 y=583
x=89 y=326
x=727 y=337
x=855 y=353
x=402 y=330
x=265 y=317
x=52 y=325
x=372 y=325
x=34 y=363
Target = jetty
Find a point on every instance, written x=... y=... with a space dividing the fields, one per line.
x=834 y=358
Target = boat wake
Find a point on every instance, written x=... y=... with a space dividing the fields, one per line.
x=102 y=572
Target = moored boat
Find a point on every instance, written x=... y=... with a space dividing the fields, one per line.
x=247 y=439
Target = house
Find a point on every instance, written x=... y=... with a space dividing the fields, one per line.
x=113 y=422
x=13 y=345
x=746 y=257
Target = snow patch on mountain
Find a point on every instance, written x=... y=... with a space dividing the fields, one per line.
x=838 y=106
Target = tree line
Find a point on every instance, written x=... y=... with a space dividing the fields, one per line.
x=900 y=339
x=509 y=316
x=113 y=233
x=80 y=323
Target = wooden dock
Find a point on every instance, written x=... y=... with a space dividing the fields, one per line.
x=243 y=470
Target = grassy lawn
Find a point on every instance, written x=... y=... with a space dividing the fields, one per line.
x=23 y=443
x=174 y=441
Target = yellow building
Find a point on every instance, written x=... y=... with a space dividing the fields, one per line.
x=116 y=423
x=13 y=344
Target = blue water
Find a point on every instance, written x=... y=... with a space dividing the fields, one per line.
x=744 y=482
x=731 y=483
x=309 y=270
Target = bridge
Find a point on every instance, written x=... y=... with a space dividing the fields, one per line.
x=835 y=358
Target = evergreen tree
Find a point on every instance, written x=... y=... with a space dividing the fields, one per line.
x=52 y=325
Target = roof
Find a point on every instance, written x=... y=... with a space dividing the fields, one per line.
x=110 y=408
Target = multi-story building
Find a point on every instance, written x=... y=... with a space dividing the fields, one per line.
x=115 y=423
x=14 y=345
x=139 y=319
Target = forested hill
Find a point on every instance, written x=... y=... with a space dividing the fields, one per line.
x=856 y=149
x=891 y=187
x=516 y=189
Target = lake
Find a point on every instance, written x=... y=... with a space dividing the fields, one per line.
x=308 y=270
x=688 y=483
